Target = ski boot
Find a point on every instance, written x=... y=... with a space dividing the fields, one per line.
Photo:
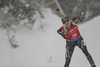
x=93 y=65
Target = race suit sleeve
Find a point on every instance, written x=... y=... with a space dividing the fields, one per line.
x=75 y=19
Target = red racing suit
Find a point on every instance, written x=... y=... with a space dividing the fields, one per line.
x=71 y=33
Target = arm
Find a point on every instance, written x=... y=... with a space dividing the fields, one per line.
x=62 y=33
x=80 y=18
x=76 y=19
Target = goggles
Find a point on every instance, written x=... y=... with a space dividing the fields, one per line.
x=67 y=23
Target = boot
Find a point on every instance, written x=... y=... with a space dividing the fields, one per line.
x=93 y=65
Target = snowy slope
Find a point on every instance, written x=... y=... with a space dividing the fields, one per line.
x=43 y=47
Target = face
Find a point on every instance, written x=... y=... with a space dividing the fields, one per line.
x=67 y=24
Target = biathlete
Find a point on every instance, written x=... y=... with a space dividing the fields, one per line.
x=71 y=33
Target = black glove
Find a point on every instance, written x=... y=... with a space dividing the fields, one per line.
x=57 y=9
x=81 y=19
x=64 y=36
x=82 y=16
x=61 y=32
x=75 y=19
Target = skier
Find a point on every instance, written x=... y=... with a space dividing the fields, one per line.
x=70 y=32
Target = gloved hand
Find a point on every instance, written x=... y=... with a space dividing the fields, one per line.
x=57 y=9
x=81 y=19
x=82 y=16
x=61 y=32
x=75 y=19
x=64 y=36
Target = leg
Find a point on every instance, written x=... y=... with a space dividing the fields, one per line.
x=83 y=47
x=69 y=52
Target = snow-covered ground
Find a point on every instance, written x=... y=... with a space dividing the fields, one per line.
x=43 y=47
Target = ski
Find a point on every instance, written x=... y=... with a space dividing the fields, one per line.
x=60 y=10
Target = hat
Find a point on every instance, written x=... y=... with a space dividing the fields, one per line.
x=64 y=20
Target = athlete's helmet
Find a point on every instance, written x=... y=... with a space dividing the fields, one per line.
x=64 y=20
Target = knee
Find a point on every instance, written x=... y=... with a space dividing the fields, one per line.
x=85 y=51
x=68 y=59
